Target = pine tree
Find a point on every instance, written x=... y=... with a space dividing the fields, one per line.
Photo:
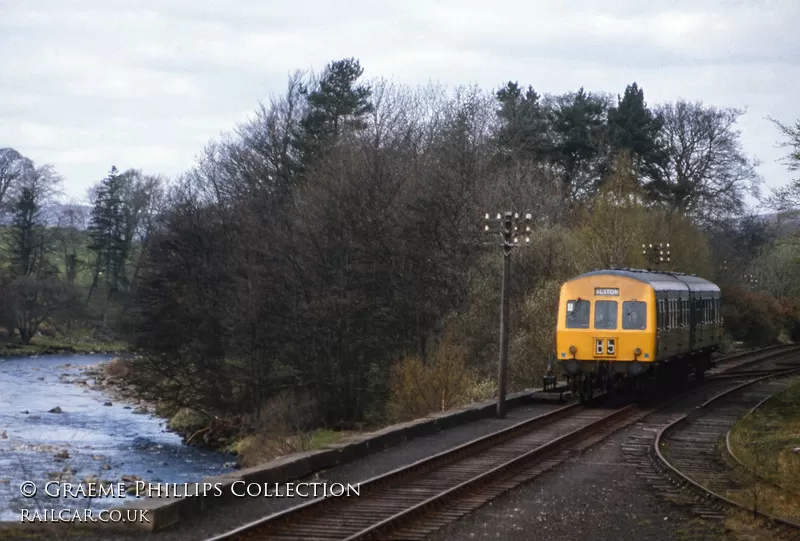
x=336 y=104
x=635 y=129
x=579 y=124
x=26 y=239
x=107 y=235
x=524 y=127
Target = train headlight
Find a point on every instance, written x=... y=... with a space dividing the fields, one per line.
x=637 y=351
x=573 y=350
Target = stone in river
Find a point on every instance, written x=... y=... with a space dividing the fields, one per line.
x=57 y=409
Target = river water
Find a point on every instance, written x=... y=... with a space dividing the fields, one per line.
x=100 y=440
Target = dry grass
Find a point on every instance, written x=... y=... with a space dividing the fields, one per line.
x=446 y=382
x=117 y=368
x=764 y=442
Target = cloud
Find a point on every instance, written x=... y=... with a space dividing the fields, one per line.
x=145 y=83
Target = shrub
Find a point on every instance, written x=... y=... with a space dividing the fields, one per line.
x=117 y=368
x=752 y=317
x=418 y=389
x=533 y=340
x=282 y=427
x=187 y=421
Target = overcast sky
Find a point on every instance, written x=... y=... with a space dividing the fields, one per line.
x=146 y=83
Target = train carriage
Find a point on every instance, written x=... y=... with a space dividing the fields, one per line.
x=620 y=323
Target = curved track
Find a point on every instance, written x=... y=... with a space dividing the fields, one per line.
x=688 y=448
x=416 y=500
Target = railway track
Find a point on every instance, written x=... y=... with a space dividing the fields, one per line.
x=414 y=501
x=688 y=453
x=740 y=361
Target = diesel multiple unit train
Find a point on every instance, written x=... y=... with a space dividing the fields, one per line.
x=627 y=323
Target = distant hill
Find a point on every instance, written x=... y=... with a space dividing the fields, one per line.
x=54 y=211
x=786 y=224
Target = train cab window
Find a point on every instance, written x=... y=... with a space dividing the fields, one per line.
x=605 y=315
x=578 y=314
x=634 y=315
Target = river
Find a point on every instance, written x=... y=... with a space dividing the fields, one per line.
x=91 y=438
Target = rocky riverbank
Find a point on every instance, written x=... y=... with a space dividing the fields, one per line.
x=113 y=378
x=109 y=377
x=66 y=419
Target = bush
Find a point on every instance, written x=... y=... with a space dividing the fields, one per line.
x=117 y=368
x=282 y=427
x=533 y=339
x=752 y=317
x=187 y=421
x=418 y=389
x=790 y=316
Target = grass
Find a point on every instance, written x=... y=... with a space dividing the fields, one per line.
x=43 y=345
x=764 y=442
x=322 y=437
x=260 y=448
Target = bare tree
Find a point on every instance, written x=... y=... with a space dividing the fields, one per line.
x=708 y=173
x=71 y=222
x=35 y=300
x=786 y=199
x=14 y=167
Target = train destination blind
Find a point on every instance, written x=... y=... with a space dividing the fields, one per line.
x=606 y=292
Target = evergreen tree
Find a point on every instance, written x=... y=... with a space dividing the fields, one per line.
x=336 y=104
x=107 y=235
x=634 y=128
x=579 y=123
x=524 y=127
x=27 y=242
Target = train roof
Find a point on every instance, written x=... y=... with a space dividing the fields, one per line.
x=660 y=281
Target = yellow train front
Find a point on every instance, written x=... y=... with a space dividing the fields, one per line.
x=620 y=323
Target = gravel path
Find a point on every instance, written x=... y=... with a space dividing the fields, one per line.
x=227 y=517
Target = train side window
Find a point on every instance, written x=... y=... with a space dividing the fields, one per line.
x=684 y=314
x=667 y=315
x=660 y=313
x=686 y=311
x=673 y=313
x=605 y=315
x=670 y=323
x=578 y=314
x=634 y=315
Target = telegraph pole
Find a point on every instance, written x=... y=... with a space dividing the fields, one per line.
x=510 y=232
